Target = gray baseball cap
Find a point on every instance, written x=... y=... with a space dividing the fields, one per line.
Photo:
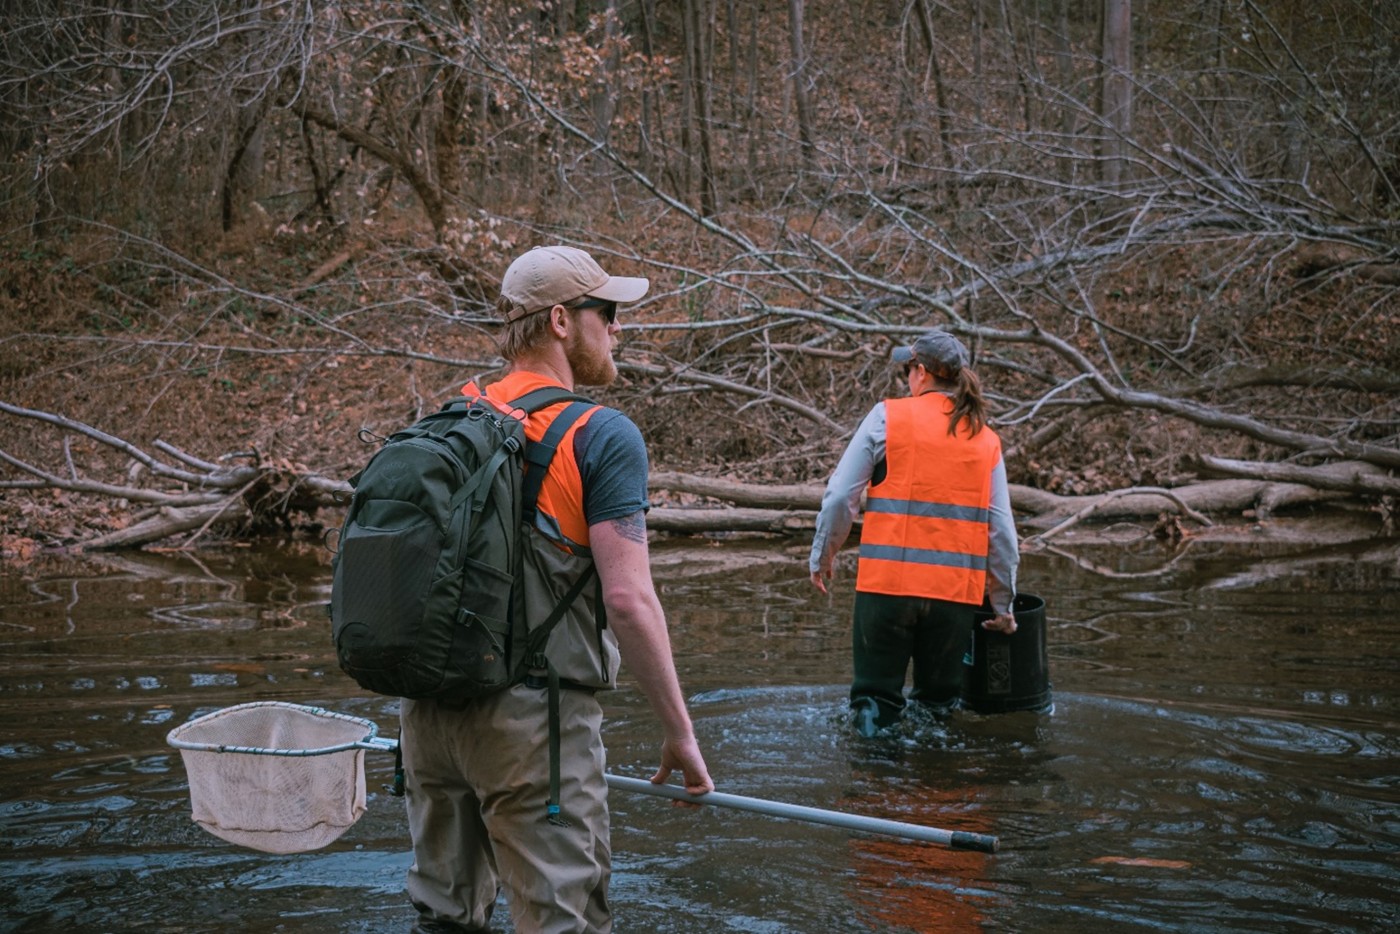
x=937 y=350
x=555 y=275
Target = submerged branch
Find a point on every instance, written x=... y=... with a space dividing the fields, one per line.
x=1103 y=500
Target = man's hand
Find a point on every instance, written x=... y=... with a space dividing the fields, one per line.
x=684 y=756
x=819 y=579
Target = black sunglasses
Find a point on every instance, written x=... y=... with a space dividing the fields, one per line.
x=605 y=308
x=909 y=368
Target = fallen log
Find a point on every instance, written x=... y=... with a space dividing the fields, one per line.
x=192 y=496
x=770 y=495
x=1343 y=476
x=778 y=509
x=1218 y=497
x=1320 y=258
x=794 y=507
x=729 y=519
x=168 y=521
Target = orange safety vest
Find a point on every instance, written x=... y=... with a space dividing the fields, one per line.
x=560 y=503
x=926 y=527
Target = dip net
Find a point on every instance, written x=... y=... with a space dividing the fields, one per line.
x=277 y=777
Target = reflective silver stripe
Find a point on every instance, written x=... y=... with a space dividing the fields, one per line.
x=949 y=559
x=925 y=510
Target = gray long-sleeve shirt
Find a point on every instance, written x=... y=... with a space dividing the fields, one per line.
x=841 y=505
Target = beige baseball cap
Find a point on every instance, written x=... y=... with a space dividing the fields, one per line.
x=555 y=275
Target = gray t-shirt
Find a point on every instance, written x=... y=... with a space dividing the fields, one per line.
x=612 y=459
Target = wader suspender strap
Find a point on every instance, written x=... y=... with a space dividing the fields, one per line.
x=538 y=637
x=538 y=456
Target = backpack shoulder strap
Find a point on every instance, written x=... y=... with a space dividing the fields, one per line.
x=539 y=454
x=545 y=396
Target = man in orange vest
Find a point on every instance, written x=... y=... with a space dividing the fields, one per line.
x=478 y=776
x=937 y=538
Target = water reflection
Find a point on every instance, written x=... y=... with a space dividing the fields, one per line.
x=1222 y=753
x=899 y=886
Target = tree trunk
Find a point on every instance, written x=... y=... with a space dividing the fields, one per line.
x=649 y=125
x=752 y=120
x=603 y=90
x=799 y=84
x=940 y=96
x=689 y=83
x=1116 y=97
x=701 y=46
x=979 y=74
x=245 y=164
x=1067 y=105
x=1022 y=62
x=422 y=183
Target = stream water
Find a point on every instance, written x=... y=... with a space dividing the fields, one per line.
x=1222 y=754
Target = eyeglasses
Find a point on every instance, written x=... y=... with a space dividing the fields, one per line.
x=605 y=308
x=909 y=368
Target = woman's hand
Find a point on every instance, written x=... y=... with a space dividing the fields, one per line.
x=1002 y=622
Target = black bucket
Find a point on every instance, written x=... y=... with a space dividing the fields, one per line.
x=1009 y=672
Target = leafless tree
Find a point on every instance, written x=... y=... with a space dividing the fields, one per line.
x=1116 y=103
x=697 y=122
x=800 y=78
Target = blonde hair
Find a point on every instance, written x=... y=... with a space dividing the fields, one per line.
x=522 y=335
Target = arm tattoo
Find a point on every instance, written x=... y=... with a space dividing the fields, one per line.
x=633 y=527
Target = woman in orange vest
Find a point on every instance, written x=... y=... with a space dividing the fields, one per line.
x=937 y=538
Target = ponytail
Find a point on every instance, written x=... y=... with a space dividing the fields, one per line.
x=968 y=403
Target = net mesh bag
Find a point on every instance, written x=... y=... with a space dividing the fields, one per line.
x=276 y=777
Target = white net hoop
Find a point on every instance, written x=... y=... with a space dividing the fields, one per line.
x=276 y=777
